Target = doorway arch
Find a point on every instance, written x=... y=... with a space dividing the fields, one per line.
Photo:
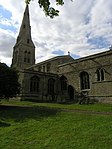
x=71 y=92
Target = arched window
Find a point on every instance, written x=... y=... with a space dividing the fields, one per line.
x=16 y=56
x=24 y=26
x=29 y=57
x=48 y=67
x=51 y=86
x=63 y=81
x=34 y=84
x=43 y=68
x=28 y=40
x=39 y=68
x=84 y=80
x=25 y=56
x=100 y=74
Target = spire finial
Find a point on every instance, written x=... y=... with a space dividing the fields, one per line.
x=68 y=52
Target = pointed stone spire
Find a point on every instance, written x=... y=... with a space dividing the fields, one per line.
x=24 y=49
x=25 y=29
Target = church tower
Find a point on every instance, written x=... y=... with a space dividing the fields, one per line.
x=24 y=49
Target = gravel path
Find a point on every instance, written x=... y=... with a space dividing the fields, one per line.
x=86 y=112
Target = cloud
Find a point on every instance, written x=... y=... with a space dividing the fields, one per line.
x=100 y=13
x=6 y=44
x=83 y=28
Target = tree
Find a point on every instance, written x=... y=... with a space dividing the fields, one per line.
x=46 y=5
x=9 y=86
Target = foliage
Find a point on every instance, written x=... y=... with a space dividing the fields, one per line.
x=9 y=86
x=40 y=127
x=46 y=5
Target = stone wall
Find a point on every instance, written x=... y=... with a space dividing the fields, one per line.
x=90 y=64
x=42 y=93
x=52 y=64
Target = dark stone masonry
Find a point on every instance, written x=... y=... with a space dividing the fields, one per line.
x=61 y=78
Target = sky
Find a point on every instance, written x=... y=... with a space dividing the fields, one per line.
x=84 y=27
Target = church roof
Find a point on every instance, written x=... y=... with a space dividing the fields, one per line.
x=52 y=59
x=90 y=57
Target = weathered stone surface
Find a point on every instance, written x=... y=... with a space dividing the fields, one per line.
x=60 y=78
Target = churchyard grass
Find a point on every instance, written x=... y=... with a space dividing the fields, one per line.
x=98 y=107
x=28 y=125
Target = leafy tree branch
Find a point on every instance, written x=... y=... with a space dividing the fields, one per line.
x=46 y=6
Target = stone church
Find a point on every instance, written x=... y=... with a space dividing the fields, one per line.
x=61 y=78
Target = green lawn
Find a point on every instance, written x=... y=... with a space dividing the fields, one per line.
x=98 y=107
x=45 y=126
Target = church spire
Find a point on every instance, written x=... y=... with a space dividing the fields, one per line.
x=25 y=29
x=24 y=49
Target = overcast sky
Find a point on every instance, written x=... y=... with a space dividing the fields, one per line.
x=84 y=27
